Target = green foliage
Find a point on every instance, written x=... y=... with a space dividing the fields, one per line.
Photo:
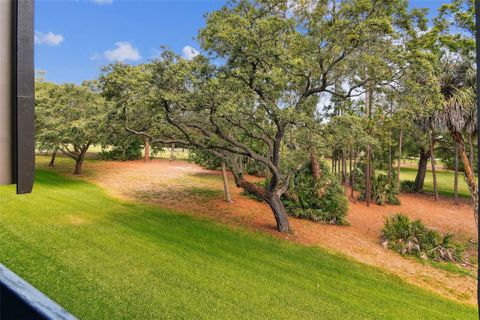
x=68 y=115
x=133 y=151
x=69 y=118
x=321 y=200
x=412 y=237
x=209 y=161
x=204 y=159
x=383 y=191
x=408 y=186
x=254 y=168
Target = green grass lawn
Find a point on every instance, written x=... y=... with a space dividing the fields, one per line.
x=101 y=258
x=445 y=179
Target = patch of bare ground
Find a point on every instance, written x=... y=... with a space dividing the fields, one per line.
x=189 y=188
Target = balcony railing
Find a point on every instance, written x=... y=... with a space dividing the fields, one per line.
x=21 y=301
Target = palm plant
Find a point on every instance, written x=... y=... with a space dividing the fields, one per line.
x=458 y=113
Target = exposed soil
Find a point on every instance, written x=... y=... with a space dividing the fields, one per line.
x=187 y=187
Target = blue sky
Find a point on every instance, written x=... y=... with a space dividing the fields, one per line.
x=74 y=39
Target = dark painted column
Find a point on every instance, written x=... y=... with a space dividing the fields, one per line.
x=23 y=95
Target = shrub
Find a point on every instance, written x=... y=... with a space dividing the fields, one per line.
x=323 y=200
x=131 y=152
x=204 y=159
x=414 y=238
x=383 y=191
x=254 y=168
x=408 y=186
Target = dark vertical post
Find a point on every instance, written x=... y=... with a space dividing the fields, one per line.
x=477 y=37
x=23 y=86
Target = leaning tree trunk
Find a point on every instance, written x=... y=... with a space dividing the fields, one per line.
x=226 y=188
x=281 y=217
x=422 y=170
x=469 y=175
x=52 y=160
x=472 y=150
x=270 y=197
x=146 y=158
x=455 y=183
x=432 y=159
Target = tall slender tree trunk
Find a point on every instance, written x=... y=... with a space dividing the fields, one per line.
x=172 y=152
x=146 y=158
x=469 y=175
x=455 y=182
x=315 y=164
x=226 y=188
x=344 y=172
x=339 y=163
x=400 y=143
x=52 y=160
x=390 y=165
x=368 y=160
x=432 y=159
x=352 y=173
x=422 y=169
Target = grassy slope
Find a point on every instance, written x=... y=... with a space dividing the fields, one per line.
x=104 y=259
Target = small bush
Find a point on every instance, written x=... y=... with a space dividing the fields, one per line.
x=408 y=186
x=414 y=238
x=130 y=152
x=204 y=159
x=383 y=191
x=254 y=168
x=323 y=200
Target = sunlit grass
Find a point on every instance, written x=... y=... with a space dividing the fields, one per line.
x=105 y=259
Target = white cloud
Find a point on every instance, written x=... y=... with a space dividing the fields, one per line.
x=50 y=38
x=102 y=1
x=123 y=52
x=189 y=52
